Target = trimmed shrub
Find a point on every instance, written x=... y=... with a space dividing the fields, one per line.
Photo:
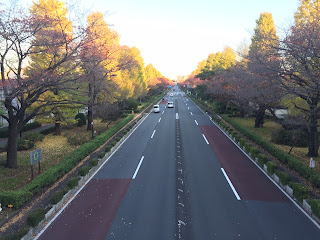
x=248 y=147
x=94 y=162
x=101 y=155
x=16 y=236
x=113 y=144
x=300 y=191
x=242 y=141
x=82 y=119
x=254 y=152
x=24 y=144
x=315 y=180
x=118 y=139
x=107 y=149
x=315 y=206
x=290 y=137
x=236 y=137
x=15 y=198
x=72 y=183
x=34 y=137
x=35 y=217
x=284 y=177
x=262 y=159
x=272 y=167
x=84 y=171
x=77 y=140
x=57 y=196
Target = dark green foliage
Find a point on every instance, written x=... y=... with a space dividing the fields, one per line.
x=101 y=155
x=248 y=147
x=254 y=152
x=84 y=171
x=73 y=182
x=24 y=144
x=15 y=198
x=57 y=196
x=130 y=104
x=35 y=217
x=76 y=140
x=16 y=236
x=289 y=137
x=284 y=177
x=27 y=127
x=94 y=162
x=272 y=167
x=113 y=144
x=315 y=180
x=118 y=139
x=48 y=130
x=82 y=119
x=34 y=137
x=242 y=141
x=300 y=192
x=107 y=149
x=262 y=159
x=315 y=206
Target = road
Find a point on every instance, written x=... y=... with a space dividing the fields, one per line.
x=179 y=177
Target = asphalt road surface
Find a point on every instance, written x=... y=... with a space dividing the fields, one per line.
x=179 y=177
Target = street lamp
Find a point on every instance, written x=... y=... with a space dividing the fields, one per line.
x=92 y=129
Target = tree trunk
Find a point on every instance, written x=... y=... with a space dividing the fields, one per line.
x=57 y=128
x=260 y=117
x=90 y=118
x=12 y=148
x=313 y=133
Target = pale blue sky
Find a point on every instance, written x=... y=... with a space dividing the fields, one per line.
x=174 y=35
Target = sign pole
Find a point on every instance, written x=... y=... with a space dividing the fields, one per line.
x=31 y=172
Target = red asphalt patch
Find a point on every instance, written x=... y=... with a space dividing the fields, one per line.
x=164 y=102
x=90 y=214
x=248 y=180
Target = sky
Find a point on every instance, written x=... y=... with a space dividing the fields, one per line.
x=174 y=35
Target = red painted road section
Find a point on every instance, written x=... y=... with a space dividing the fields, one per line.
x=248 y=180
x=164 y=101
x=90 y=214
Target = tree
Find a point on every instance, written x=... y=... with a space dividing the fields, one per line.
x=263 y=63
x=18 y=38
x=99 y=61
x=300 y=67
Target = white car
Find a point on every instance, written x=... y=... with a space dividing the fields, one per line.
x=170 y=104
x=156 y=108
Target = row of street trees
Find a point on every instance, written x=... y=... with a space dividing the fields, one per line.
x=274 y=72
x=53 y=64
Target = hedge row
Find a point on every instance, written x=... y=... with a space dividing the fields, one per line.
x=283 y=157
x=20 y=197
x=27 y=127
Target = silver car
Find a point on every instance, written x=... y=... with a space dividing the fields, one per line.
x=156 y=108
x=170 y=104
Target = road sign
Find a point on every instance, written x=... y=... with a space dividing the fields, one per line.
x=35 y=156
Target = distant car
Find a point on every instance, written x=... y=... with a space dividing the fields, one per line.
x=171 y=94
x=170 y=104
x=156 y=108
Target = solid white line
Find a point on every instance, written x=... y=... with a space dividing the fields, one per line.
x=159 y=119
x=154 y=131
x=196 y=122
x=205 y=138
x=136 y=172
x=230 y=184
x=177 y=116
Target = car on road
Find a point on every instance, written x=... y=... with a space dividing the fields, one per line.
x=171 y=94
x=170 y=104
x=156 y=108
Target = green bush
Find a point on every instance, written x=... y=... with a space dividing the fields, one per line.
x=262 y=159
x=35 y=217
x=290 y=137
x=34 y=137
x=113 y=144
x=272 y=167
x=242 y=141
x=107 y=149
x=16 y=198
x=94 y=162
x=248 y=147
x=26 y=127
x=82 y=119
x=24 y=144
x=57 y=196
x=72 y=183
x=315 y=206
x=101 y=155
x=84 y=171
x=17 y=235
x=315 y=180
x=284 y=177
x=118 y=139
x=254 y=152
x=77 y=140
x=300 y=192
x=236 y=137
